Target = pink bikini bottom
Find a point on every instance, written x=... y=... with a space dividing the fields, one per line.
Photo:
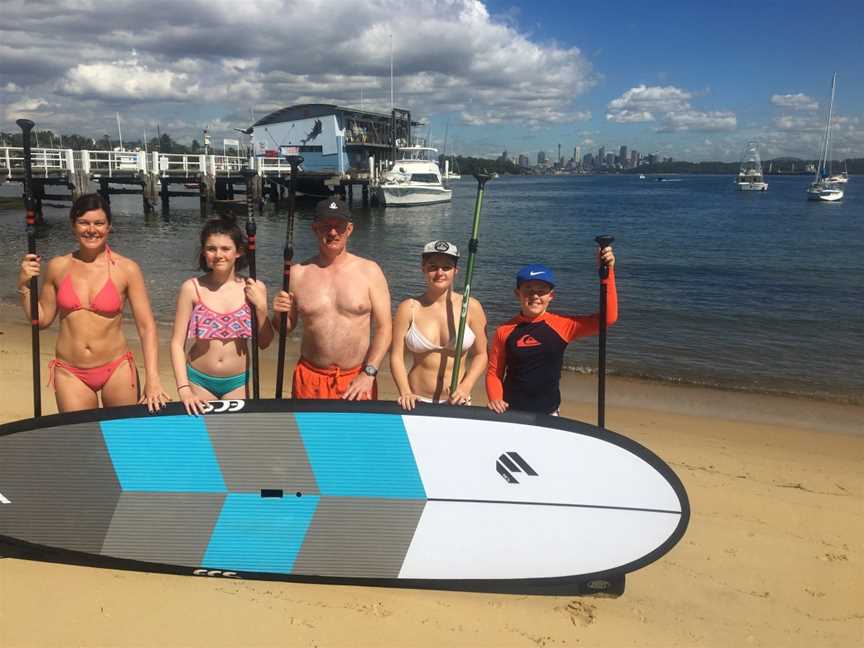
x=95 y=377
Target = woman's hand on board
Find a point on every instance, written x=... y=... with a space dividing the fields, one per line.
x=195 y=405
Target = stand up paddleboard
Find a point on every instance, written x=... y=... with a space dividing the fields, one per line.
x=348 y=493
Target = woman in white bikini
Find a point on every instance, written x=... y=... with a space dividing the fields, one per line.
x=427 y=327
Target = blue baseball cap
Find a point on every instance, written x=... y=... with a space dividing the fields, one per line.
x=535 y=272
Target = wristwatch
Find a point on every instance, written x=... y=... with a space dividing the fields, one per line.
x=370 y=370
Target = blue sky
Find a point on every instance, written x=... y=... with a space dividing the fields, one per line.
x=692 y=80
x=736 y=55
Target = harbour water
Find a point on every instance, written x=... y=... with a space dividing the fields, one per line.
x=747 y=291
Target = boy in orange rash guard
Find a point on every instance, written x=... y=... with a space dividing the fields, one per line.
x=524 y=368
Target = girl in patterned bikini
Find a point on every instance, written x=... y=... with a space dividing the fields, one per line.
x=88 y=288
x=427 y=327
x=214 y=311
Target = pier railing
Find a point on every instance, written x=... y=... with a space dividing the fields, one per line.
x=112 y=164
x=45 y=161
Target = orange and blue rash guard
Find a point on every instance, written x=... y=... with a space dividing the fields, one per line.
x=527 y=355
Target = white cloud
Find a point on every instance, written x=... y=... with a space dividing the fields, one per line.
x=207 y=58
x=30 y=108
x=643 y=102
x=695 y=120
x=789 y=123
x=10 y=87
x=797 y=101
x=668 y=105
x=127 y=80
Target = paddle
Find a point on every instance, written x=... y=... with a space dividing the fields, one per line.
x=26 y=127
x=604 y=240
x=251 y=228
x=482 y=179
x=287 y=255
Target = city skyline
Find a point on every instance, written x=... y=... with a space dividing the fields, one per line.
x=685 y=80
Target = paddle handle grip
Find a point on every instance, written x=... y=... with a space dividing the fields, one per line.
x=603 y=241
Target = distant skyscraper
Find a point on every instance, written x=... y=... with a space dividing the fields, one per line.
x=601 y=155
x=622 y=156
x=541 y=157
x=524 y=161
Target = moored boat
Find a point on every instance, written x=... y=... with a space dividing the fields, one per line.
x=750 y=172
x=415 y=179
x=823 y=188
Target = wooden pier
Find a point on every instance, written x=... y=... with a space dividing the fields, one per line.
x=155 y=176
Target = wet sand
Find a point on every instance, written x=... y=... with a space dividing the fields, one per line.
x=774 y=555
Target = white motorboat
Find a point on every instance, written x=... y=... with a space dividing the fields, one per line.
x=823 y=188
x=841 y=178
x=415 y=179
x=750 y=172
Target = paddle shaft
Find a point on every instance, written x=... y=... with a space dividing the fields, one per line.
x=26 y=127
x=602 y=241
x=482 y=179
x=287 y=255
x=251 y=229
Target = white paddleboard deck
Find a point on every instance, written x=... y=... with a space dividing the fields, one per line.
x=322 y=491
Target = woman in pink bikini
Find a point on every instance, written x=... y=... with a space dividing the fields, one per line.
x=214 y=312
x=427 y=326
x=89 y=288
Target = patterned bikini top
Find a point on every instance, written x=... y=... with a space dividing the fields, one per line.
x=207 y=324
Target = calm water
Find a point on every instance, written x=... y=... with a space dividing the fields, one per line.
x=756 y=292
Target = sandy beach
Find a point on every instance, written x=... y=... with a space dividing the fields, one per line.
x=774 y=555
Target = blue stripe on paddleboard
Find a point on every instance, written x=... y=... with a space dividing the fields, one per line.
x=163 y=454
x=360 y=455
x=260 y=534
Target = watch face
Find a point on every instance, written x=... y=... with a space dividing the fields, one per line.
x=369 y=370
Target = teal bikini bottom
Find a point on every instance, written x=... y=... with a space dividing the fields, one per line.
x=216 y=385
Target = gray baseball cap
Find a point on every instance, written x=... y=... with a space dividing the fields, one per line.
x=441 y=247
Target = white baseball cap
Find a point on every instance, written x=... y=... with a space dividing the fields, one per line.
x=441 y=247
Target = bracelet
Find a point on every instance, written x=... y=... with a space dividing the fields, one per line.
x=23 y=291
x=179 y=387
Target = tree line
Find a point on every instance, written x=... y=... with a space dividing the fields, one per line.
x=48 y=139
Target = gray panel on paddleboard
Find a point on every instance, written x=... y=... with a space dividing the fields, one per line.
x=266 y=452
x=172 y=528
x=359 y=537
x=61 y=486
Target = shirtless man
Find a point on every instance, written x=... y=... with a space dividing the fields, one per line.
x=338 y=296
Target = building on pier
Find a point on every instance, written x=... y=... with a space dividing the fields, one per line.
x=333 y=140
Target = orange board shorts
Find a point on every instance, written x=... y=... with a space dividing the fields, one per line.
x=324 y=383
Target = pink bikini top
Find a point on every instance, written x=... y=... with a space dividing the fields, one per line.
x=107 y=302
x=207 y=324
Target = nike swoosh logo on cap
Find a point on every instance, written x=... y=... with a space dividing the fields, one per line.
x=534 y=274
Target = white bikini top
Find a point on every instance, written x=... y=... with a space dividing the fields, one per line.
x=419 y=343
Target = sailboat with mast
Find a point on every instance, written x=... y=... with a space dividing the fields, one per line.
x=823 y=188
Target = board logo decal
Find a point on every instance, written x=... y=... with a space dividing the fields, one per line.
x=219 y=406
x=4 y=499
x=509 y=463
x=215 y=572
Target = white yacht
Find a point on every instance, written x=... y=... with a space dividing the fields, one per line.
x=750 y=173
x=451 y=170
x=823 y=188
x=841 y=178
x=415 y=179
